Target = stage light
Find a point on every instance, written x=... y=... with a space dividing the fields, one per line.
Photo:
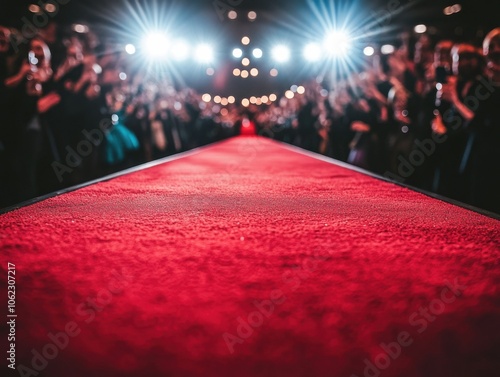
x=237 y=52
x=245 y=62
x=273 y=97
x=236 y=72
x=130 y=49
x=254 y=72
x=289 y=94
x=257 y=53
x=293 y=88
x=50 y=8
x=33 y=8
x=224 y=112
x=253 y=99
x=244 y=74
x=452 y=9
x=301 y=90
x=258 y=102
x=264 y=99
x=210 y=71
x=252 y=15
x=245 y=102
x=281 y=53
x=217 y=99
x=180 y=50
x=81 y=29
x=419 y=29
x=155 y=45
x=337 y=43
x=368 y=51
x=224 y=101
x=232 y=15
x=312 y=52
x=231 y=99
x=273 y=72
x=206 y=97
x=122 y=76
x=245 y=40
x=387 y=49
x=204 y=53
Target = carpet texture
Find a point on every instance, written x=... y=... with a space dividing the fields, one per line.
x=248 y=258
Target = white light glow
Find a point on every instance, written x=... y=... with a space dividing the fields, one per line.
x=130 y=49
x=180 y=50
x=237 y=52
x=338 y=42
x=257 y=53
x=419 y=29
x=368 y=51
x=312 y=52
x=204 y=53
x=155 y=45
x=281 y=53
x=387 y=49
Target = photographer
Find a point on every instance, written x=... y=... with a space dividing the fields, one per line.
x=453 y=122
x=31 y=90
x=485 y=127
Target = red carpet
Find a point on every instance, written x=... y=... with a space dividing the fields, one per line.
x=159 y=272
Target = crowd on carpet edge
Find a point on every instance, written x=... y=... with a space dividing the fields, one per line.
x=73 y=110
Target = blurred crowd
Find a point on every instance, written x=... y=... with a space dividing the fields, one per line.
x=431 y=121
x=72 y=110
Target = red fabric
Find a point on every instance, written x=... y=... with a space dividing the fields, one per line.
x=197 y=241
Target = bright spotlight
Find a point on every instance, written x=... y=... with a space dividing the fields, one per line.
x=257 y=53
x=338 y=42
x=180 y=50
x=130 y=49
x=237 y=52
x=281 y=53
x=155 y=45
x=204 y=53
x=312 y=52
x=419 y=29
x=368 y=51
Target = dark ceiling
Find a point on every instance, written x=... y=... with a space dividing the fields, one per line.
x=291 y=21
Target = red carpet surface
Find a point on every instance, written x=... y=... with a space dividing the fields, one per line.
x=248 y=258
